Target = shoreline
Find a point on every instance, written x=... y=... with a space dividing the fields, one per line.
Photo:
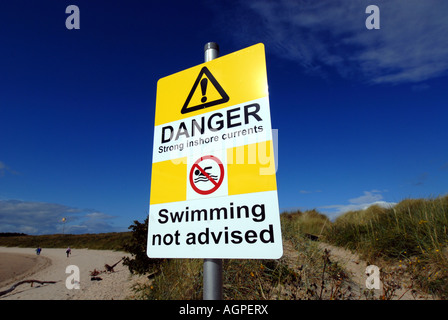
x=16 y=266
x=54 y=265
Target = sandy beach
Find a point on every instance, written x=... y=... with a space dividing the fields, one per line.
x=19 y=264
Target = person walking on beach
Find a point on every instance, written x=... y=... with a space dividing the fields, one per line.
x=38 y=250
x=68 y=251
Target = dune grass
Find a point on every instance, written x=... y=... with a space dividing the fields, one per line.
x=292 y=277
x=412 y=234
x=412 y=227
x=98 y=241
x=250 y=279
x=297 y=224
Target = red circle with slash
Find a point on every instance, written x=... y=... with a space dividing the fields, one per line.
x=216 y=184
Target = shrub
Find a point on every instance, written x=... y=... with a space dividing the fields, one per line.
x=140 y=263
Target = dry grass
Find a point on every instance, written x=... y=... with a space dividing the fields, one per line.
x=98 y=241
x=412 y=234
x=304 y=272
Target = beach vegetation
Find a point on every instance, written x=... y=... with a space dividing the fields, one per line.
x=95 y=241
x=412 y=234
x=409 y=239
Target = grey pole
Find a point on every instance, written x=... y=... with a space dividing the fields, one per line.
x=212 y=286
x=211 y=51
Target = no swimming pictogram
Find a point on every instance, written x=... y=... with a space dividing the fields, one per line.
x=206 y=175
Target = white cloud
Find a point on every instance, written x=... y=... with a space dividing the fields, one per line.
x=46 y=218
x=369 y=198
x=410 y=47
x=4 y=168
x=309 y=191
x=98 y=215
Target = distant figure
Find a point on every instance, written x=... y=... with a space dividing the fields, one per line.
x=38 y=250
x=68 y=251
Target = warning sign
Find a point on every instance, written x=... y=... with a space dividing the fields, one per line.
x=213 y=184
x=206 y=175
x=208 y=86
x=241 y=76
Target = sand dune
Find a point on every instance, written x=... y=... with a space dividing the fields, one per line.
x=51 y=265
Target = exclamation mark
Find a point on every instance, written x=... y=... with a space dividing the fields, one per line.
x=204 y=89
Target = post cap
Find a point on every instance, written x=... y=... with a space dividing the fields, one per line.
x=211 y=45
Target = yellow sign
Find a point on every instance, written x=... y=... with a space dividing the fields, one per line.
x=240 y=75
x=213 y=184
x=246 y=173
x=208 y=95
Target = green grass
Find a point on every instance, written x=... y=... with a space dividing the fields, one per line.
x=296 y=224
x=412 y=234
x=297 y=277
x=412 y=227
x=99 y=241
x=244 y=279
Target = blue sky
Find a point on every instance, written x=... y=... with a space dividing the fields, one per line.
x=361 y=114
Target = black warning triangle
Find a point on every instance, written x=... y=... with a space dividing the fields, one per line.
x=224 y=97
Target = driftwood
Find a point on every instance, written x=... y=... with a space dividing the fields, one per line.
x=95 y=273
x=22 y=282
x=111 y=268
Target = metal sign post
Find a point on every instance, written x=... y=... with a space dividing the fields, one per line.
x=212 y=281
